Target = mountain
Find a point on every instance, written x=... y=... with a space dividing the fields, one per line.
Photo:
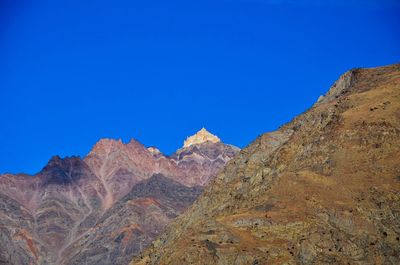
x=132 y=223
x=106 y=207
x=322 y=189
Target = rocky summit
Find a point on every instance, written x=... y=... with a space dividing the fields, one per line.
x=104 y=208
x=322 y=189
x=200 y=137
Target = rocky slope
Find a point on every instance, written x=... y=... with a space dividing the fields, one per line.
x=102 y=209
x=323 y=189
x=132 y=223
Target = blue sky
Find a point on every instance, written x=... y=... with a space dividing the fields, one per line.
x=72 y=72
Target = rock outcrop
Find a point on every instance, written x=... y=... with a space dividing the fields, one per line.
x=102 y=209
x=323 y=189
x=200 y=137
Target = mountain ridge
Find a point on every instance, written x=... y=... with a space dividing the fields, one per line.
x=64 y=203
x=322 y=189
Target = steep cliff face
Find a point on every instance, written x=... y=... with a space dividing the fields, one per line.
x=323 y=189
x=102 y=209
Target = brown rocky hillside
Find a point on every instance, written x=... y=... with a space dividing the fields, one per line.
x=323 y=189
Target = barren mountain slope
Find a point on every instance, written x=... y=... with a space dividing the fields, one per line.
x=323 y=189
x=95 y=210
x=132 y=223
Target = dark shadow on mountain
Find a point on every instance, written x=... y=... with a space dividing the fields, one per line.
x=63 y=171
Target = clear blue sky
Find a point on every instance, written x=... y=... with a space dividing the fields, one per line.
x=74 y=71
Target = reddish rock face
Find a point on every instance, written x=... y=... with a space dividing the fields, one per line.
x=120 y=166
x=102 y=209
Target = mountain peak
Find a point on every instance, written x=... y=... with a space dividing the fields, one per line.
x=200 y=137
x=105 y=145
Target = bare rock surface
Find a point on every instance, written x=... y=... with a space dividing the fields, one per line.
x=322 y=189
x=200 y=137
x=102 y=209
x=132 y=223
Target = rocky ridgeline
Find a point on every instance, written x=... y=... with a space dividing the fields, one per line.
x=105 y=208
x=323 y=189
